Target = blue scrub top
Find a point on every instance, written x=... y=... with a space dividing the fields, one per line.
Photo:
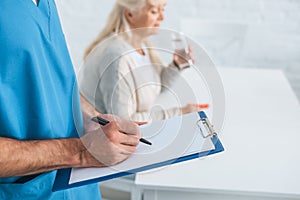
x=38 y=90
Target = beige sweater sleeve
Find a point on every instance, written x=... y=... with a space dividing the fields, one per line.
x=168 y=75
x=123 y=99
x=109 y=84
x=157 y=112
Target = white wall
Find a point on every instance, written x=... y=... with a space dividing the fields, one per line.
x=237 y=33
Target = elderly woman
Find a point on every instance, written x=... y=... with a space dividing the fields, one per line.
x=121 y=75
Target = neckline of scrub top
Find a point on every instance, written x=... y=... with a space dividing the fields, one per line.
x=31 y=4
x=36 y=2
x=40 y=13
x=42 y=7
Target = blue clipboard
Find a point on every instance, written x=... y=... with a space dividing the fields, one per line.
x=63 y=175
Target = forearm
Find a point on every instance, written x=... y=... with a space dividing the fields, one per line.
x=88 y=110
x=20 y=158
x=155 y=115
x=168 y=75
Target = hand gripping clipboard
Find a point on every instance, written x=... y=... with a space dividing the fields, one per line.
x=68 y=178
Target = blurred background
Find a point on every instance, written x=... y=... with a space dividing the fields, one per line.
x=235 y=33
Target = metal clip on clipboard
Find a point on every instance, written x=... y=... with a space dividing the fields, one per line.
x=206 y=128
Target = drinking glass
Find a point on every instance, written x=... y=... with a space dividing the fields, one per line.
x=181 y=49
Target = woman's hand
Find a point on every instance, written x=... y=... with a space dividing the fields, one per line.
x=189 y=108
x=183 y=58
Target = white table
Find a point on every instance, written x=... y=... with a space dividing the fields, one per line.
x=261 y=137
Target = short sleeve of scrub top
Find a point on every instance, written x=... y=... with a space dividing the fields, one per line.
x=39 y=97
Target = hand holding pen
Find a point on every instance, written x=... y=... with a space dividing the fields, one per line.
x=110 y=144
x=104 y=122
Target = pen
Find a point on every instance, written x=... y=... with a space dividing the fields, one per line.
x=103 y=122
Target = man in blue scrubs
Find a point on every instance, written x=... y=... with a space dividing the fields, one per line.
x=41 y=112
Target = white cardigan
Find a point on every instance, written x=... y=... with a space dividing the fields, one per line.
x=118 y=80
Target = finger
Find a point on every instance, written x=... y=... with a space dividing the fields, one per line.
x=129 y=140
x=191 y=56
x=117 y=136
x=127 y=150
x=124 y=125
x=141 y=123
x=130 y=128
x=175 y=58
